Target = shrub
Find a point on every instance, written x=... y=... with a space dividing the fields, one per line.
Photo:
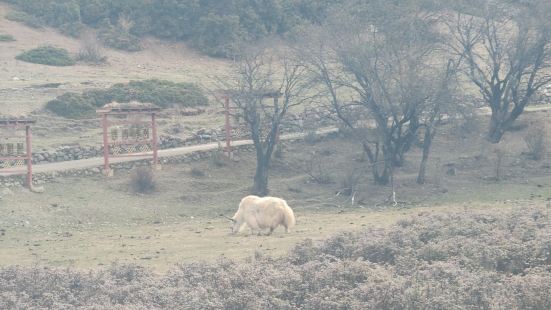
x=6 y=38
x=22 y=17
x=316 y=170
x=218 y=159
x=217 y=35
x=90 y=51
x=159 y=92
x=500 y=154
x=197 y=173
x=143 y=180
x=279 y=151
x=119 y=38
x=350 y=182
x=311 y=137
x=62 y=14
x=535 y=141
x=47 y=55
x=72 y=105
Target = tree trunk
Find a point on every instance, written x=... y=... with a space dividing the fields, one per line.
x=381 y=175
x=427 y=141
x=399 y=158
x=260 y=186
x=497 y=129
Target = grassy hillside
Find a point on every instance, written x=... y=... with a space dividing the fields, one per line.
x=25 y=88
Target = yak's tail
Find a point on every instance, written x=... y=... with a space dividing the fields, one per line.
x=289 y=218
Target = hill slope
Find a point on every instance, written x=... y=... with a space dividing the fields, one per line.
x=20 y=81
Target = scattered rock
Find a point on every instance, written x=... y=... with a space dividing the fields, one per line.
x=6 y=192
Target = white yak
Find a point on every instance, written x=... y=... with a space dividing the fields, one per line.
x=263 y=213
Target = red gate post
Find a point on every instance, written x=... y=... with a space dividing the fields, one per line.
x=29 y=138
x=228 y=150
x=13 y=158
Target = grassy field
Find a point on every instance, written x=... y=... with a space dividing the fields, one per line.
x=94 y=222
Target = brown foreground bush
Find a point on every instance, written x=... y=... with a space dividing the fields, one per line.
x=455 y=261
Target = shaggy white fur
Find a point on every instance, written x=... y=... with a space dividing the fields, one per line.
x=263 y=213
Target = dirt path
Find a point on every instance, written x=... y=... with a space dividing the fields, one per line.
x=98 y=161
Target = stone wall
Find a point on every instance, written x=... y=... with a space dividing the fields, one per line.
x=42 y=178
x=544 y=95
x=76 y=152
x=311 y=119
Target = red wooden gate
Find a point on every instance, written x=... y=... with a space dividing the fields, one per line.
x=129 y=130
x=16 y=148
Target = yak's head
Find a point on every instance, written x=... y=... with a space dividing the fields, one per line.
x=235 y=227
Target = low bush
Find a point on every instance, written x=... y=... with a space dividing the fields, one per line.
x=350 y=183
x=158 y=92
x=535 y=141
x=317 y=171
x=217 y=35
x=197 y=172
x=22 y=17
x=279 y=151
x=6 y=38
x=311 y=137
x=218 y=159
x=91 y=51
x=47 y=55
x=72 y=105
x=118 y=38
x=455 y=261
x=143 y=180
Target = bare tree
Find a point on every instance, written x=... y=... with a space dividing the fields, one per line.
x=506 y=54
x=384 y=82
x=91 y=50
x=441 y=102
x=264 y=87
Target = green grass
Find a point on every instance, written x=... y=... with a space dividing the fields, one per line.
x=6 y=38
x=47 y=55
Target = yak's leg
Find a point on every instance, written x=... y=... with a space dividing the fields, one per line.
x=254 y=231
x=270 y=231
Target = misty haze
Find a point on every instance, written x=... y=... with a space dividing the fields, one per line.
x=275 y=154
